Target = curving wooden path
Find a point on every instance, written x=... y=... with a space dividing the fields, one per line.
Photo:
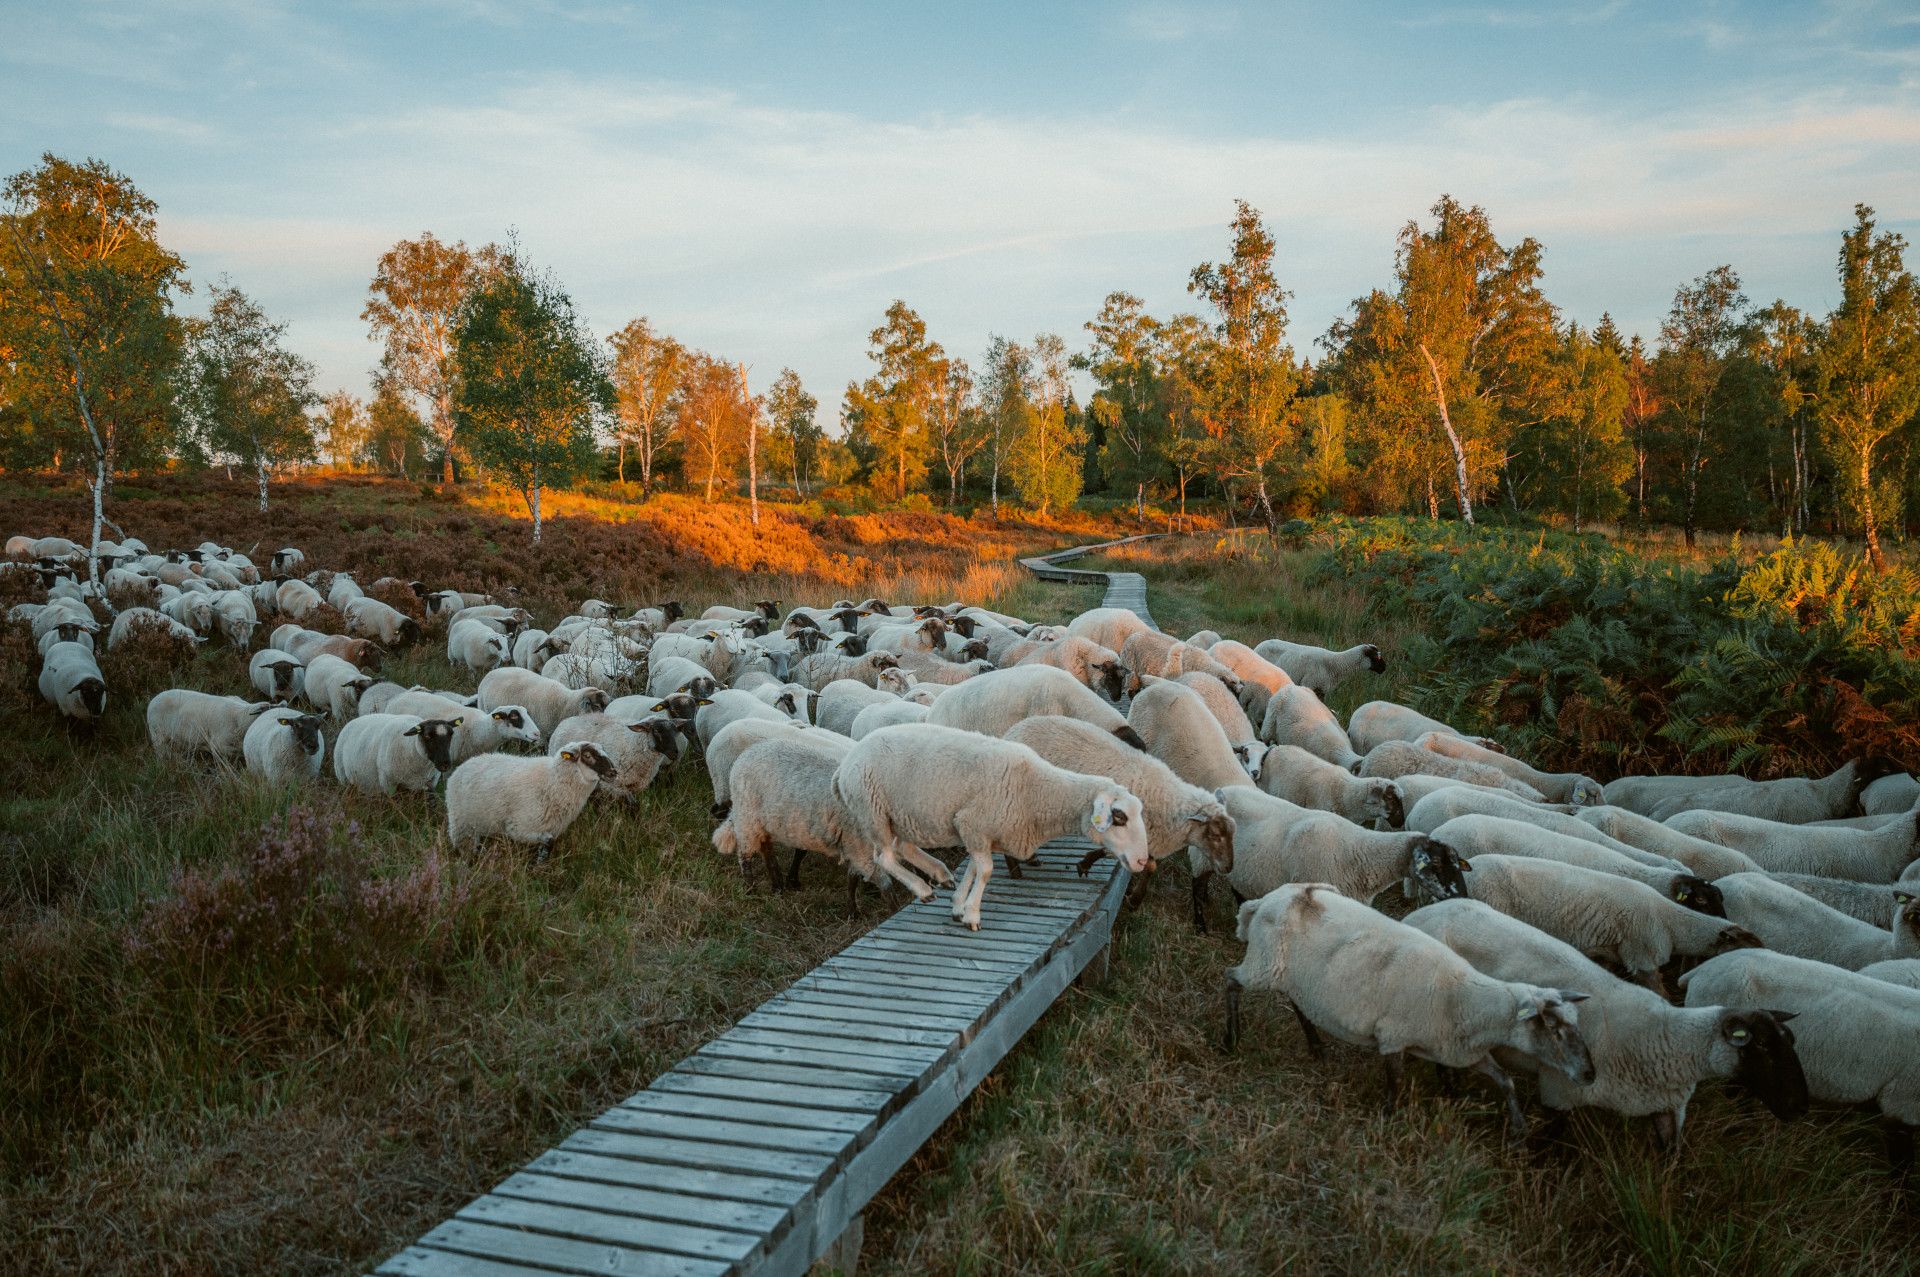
x=758 y=1152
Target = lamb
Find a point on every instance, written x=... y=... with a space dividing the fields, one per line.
x=1794 y=801
x=1398 y=758
x=385 y=753
x=1605 y=917
x=1649 y=1056
x=524 y=800
x=1857 y=1038
x=825 y=667
x=1293 y=775
x=1295 y=716
x=1444 y=804
x=296 y=599
x=333 y=686
x=1275 y=843
x=1863 y=855
x=994 y=702
x=72 y=682
x=1177 y=814
x=678 y=674
x=1178 y=729
x=1222 y=704
x=1793 y=922
x=1259 y=677
x=735 y=738
x=279 y=676
x=1320 y=669
x=1377 y=983
x=998 y=796
x=548 y=702
x=481 y=731
x=1557 y=787
x=1098 y=667
x=476 y=646
x=283 y=746
x=1708 y=859
x=783 y=793
x=1379 y=721
x=891 y=713
x=1893 y=793
x=185 y=722
x=1476 y=835
x=1163 y=656
x=729 y=705
x=1110 y=627
x=636 y=750
x=135 y=619
x=842 y=700
x=234 y=614
x=387 y=625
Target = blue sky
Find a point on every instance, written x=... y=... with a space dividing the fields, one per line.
x=762 y=180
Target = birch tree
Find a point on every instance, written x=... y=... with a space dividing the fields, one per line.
x=246 y=395
x=648 y=370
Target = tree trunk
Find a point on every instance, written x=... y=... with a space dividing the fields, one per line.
x=534 y=504
x=1140 y=500
x=1453 y=439
x=446 y=464
x=646 y=463
x=1266 y=508
x=1433 y=499
x=99 y=486
x=620 y=466
x=1866 y=510
x=260 y=469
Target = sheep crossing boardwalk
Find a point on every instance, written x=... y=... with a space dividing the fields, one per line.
x=757 y=1153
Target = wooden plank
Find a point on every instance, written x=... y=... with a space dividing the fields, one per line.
x=797 y=1075
x=740 y=1139
x=919 y=972
x=564 y=1254
x=824 y=1006
x=863 y=1028
x=418 y=1261
x=896 y=989
x=906 y=1055
x=590 y=1194
x=704 y=1155
x=826 y=1099
x=607 y=1158
x=729 y=1047
x=994 y=923
x=964 y=951
x=565 y=1219
x=999 y=933
x=729 y=1109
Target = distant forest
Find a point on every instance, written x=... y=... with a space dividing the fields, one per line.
x=1452 y=388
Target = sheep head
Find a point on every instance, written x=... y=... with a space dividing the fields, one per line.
x=1118 y=824
x=588 y=755
x=1765 y=1061
x=1211 y=830
x=1699 y=895
x=1547 y=1027
x=1438 y=869
x=436 y=739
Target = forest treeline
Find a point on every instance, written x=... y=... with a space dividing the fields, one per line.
x=1452 y=387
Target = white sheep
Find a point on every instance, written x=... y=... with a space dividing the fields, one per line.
x=1892 y=793
x=185 y=722
x=71 y=682
x=382 y=622
x=1857 y=1038
x=997 y=796
x=604 y=668
x=127 y=588
x=824 y=667
x=333 y=686
x=547 y=700
x=1475 y=835
x=1606 y=917
x=1648 y=1056
x=993 y=703
x=277 y=675
x=85 y=639
x=1708 y=859
x=1321 y=669
x=1557 y=787
x=1259 y=677
x=305 y=644
x=524 y=800
x=287 y=560
x=1378 y=721
x=1871 y=903
x=679 y=674
x=234 y=614
x=842 y=700
x=1794 y=801
x=1295 y=716
x=1437 y=808
x=1177 y=728
x=1904 y=972
x=735 y=738
x=296 y=599
x=385 y=753
x=1222 y=704
x=283 y=746
x=342 y=590
x=1163 y=656
x=729 y=705
x=1863 y=855
x=476 y=646
x=928 y=668
x=783 y=793
x=893 y=713
x=1793 y=922
x=1110 y=627
x=1376 y=983
x=1294 y=775
x=481 y=731
x=533 y=648
x=1397 y=758
x=139 y=619
x=1096 y=666
x=636 y=750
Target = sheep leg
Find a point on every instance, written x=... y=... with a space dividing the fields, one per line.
x=1200 y=882
x=793 y=868
x=1088 y=861
x=889 y=861
x=1315 y=1047
x=928 y=866
x=977 y=888
x=1516 y=1120
x=541 y=850
x=1443 y=1079
x=1667 y=1131
x=1394 y=1063
x=1899 y=1143
x=773 y=868
x=1013 y=868
x=853 y=897
x=1231 y=1038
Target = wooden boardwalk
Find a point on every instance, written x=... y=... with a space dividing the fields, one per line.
x=758 y=1153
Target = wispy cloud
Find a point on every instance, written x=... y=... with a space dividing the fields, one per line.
x=1169 y=23
x=1528 y=16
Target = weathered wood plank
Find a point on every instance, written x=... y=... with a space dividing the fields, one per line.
x=725 y=1132
x=907 y=1071
x=563 y=1254
x=829 y=1006
x=901 y=1054
x=682 y=1208
x=721 y=1108
x=576 y=1220
x=612 y=1159
x=826 y=1099
x=865 y=1028
x=418 y=1261
x=795 y=1074
x=700 y=1154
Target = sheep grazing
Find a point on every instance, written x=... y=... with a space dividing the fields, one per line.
x=1259 y=677
x=1792 y=922
x=841 y=702
x=1441 y=806
x=1794 y=801
x=548 y=701
x=1868 y=902
x=444 y=603
x=1275 y=843
x=736 y=738
x=783 y=793
x=825 y=667
x=1708 y=859
x=304 y=645
x=730 y=705
x=1893 y=793
x=1862 y=855
x=678 y=674
x=605 y=669
x=136 y=620
x=385 y=624
x=1482 y=835
x=636 y=750
x=1556 y=787
x=234 y=614
x=1904 y=972
x=1222 y=704
x=1649 y=1057
x=993 y=703
x=284 y=747
x=1098 y=667
x=71 y=682
x=386 y=753
x=287 y=561
x=1857 y=1038
x=477 y=646
x=1177 y=814
x=1293 y=775
x=1396 y=758
x=482 y=731
x=929 y=635
x=1370 y=981
x=660 y=617
x=523 y=800
x=333 y=686
x=1320 y=669
x=999 y=796
x=1179 y=730
x=1608 y=918
x=277 y=675
x=296 y=599
x=1295 y=716
x=1379 y=721
x=184 y=722
x=1110 y=627
x=893 y=713
x=1164 y=656
x=534 y=648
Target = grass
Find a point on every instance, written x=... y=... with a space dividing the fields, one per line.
x=185 y=1097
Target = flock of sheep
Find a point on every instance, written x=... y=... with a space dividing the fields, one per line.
x=1558 y=920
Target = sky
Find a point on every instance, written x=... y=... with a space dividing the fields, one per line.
x=761 y=180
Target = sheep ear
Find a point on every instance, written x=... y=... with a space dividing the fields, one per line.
x=568 y=755
x=412 y=731
x=1527 y=1013
x=500 y=716
x=1573 y=996
x=1103 y=813
x=459 y=720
